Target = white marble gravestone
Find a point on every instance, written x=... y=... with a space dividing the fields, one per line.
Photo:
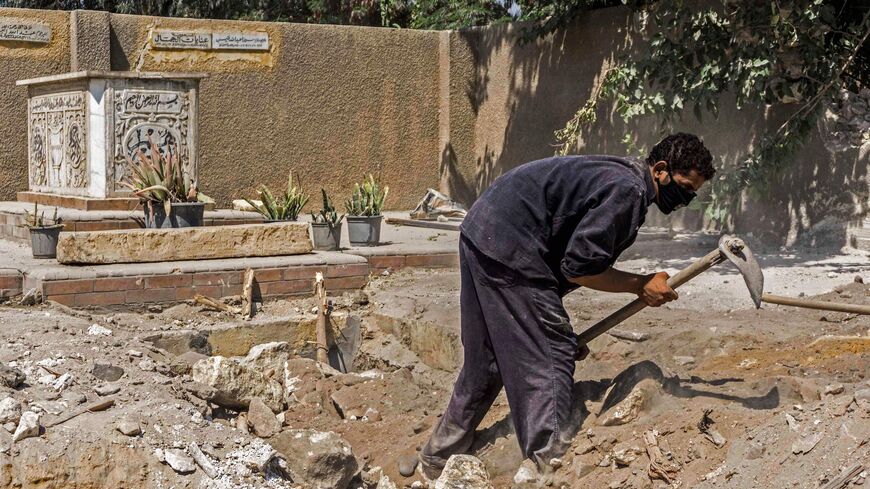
x=82 y=127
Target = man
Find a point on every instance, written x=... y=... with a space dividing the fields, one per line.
x=538 y=232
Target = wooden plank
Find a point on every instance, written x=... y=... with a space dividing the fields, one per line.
x=449 y=226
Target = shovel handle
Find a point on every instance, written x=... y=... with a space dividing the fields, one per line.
x=711 y=259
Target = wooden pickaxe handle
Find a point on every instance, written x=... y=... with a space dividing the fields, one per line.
x=713 y=258
x=813 y=304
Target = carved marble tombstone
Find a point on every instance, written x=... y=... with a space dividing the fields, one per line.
x=84 y=127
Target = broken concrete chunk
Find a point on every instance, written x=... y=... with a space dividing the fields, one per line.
x=235 y=385
x=202 y=460
x=179 y=461
x=261 y=419
x=268 y=355
x=319 y=458
x=384 y=482
x=11 y=377
x=806 y=443
x=97 y=330
x=28 y=426
x=182 y=364
x=407 y=465
x=107 y=372
x=107 y=389
x=128 y=427
x=10 y=410
x=834 y=389
x=628 y=409
x=628 y=335
x=463 y=472
x=63 y=382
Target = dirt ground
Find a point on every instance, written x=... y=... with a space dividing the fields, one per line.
x=784 y=392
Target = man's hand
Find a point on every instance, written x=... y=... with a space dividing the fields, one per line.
x=656 y=290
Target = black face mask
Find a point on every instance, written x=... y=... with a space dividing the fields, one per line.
x=672 y=197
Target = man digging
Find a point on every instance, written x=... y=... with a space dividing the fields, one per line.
x=538 y=232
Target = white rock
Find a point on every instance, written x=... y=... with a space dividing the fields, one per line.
x=97 y=330
x=28 y=426
x=63 y=382
x=463 y=472
x=179 y=461
x=10 y=411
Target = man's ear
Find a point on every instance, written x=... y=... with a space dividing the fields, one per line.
x=660 y=172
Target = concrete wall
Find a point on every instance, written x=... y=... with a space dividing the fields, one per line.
x=454 y=109
x=507 y=100
x=329 y=102
x=19 y=61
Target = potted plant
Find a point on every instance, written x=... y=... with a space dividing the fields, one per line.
x=286 y=207
x=168 y=195
x=326 y=226
x=364 y=212
x=44 y=233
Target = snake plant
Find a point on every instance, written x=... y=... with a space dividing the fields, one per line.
x=327 y=214
x=367 y=198
x=285 y=207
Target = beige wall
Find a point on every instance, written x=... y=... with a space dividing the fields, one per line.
x=454 y=109
x=20 y=60
x=512 y=98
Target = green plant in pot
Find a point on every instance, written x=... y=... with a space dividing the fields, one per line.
x=285 y=207
x=44 y=233
x=326 y=226
x=365 y=212
x=170 y=198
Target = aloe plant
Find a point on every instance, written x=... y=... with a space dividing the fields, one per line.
x=367 y=198
x=327 y=214
x=158 y=179
x=286 y=207
x=37 y=219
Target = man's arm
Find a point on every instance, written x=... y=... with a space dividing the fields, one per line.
x=653 y=288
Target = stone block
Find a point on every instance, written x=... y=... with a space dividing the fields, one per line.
x=199 y=243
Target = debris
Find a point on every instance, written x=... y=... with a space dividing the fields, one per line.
x=407 y=465
x=659 y=466
x=322 y=319
x=28 y=426
x=806 y=443
x=843 y=479
x=216 y=305
x=128 y=427
x=11 y=377
x=628 y=409
x=100 y=406
x=628 y=335
x=202 y=460
x=63 y=382
x=833 y=389
x=384 y=482
x=261 y=419
x=235 y=385
x=179 y=461
x=182 y=364
x=97 y=330
x=319 y=458
x=248 y=294
x=705 y=426
x=107 y=389
x=10 y=410
x=107 y=372
x=464 y=472
x=435 y=204
x=31 y=297
x=792 y=422
x=684 y=360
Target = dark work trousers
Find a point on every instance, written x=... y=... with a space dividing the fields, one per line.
x=517 y=336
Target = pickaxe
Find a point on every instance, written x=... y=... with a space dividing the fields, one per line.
x=730 y=248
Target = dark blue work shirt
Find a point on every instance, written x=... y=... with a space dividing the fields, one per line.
x=561 y=217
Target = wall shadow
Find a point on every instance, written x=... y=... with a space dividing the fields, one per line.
x=519 y=95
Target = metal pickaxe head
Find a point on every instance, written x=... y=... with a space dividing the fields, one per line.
x=736 y=251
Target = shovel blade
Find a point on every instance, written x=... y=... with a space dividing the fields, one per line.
x=738 y=253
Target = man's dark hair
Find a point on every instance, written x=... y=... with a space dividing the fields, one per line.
x=683 y=152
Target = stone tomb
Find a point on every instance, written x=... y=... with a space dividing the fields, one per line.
x=83 y=127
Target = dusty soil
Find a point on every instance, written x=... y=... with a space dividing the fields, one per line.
x=778 y=385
